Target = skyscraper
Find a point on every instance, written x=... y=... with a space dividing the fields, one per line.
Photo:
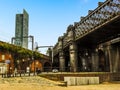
x=21 y=29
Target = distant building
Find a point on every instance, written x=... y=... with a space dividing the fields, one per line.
x=21 y=29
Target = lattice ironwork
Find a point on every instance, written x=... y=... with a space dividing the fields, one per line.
x=104 y=13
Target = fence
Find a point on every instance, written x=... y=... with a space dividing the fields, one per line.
x=56 y=73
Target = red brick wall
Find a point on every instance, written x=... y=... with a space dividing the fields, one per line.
x=7 y=56
x=37 y=65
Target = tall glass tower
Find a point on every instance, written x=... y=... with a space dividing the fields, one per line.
x=21 y=29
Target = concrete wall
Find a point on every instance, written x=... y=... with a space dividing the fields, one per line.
x=76 y=81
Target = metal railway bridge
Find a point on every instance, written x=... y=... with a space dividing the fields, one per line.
x=93 y=43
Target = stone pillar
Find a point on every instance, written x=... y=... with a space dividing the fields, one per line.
x=95 y=61
x=61 y=61
x=61 y=54
x=112 y=55
x=116 y=59
x=108 y=58
x=73 y=57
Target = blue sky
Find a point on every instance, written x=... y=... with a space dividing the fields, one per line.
x=48 y=19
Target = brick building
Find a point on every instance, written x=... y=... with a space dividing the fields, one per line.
x=12 y=57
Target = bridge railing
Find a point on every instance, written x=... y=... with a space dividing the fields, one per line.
x=105 y=12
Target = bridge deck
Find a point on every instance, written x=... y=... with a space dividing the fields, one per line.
x=104 y=33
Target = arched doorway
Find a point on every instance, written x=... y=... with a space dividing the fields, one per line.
x=47 y=67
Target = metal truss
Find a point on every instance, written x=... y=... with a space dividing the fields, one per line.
x=102 y=14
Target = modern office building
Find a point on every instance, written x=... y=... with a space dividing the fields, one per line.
x=21 y=29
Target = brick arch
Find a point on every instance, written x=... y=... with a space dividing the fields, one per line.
x=36 y=65
x=47 y=66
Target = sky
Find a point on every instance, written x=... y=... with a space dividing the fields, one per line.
x=48 y=19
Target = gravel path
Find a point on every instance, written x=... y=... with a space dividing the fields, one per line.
x=35 y=80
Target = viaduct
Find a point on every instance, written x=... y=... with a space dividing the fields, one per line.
x=93 y=43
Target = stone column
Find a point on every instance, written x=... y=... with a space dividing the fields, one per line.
x=116 y=60
x=61 y=54
x=61 y=61
x=108 y=58
x=118 y=53
x=73 y=57
x=95 y=61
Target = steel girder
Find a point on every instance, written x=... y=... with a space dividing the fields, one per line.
x=95 y=19
x=108 y=10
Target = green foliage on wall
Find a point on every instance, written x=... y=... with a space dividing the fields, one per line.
x=19 y=51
